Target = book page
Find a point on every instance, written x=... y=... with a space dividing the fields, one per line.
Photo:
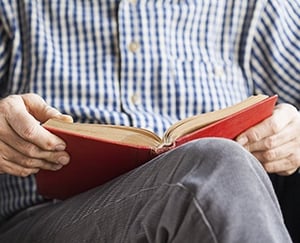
x=142 y=137
x=119 y=134
x=190 y=124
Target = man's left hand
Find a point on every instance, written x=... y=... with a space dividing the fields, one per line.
x=275 y=142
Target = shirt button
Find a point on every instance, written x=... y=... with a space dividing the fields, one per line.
x=135 y=99
x=218 y=70
x=134 y=46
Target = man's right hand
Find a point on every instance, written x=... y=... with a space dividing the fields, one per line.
x=25 y=146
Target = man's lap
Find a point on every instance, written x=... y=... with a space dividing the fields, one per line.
x=161 y=193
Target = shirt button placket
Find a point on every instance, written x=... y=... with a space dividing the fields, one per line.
x=134 y=46
x=132 y=1
x=219 y=72
x=135 y=99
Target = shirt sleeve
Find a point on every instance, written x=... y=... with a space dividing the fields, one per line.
x=5 y=45
x=4 y=52
x=275 y=53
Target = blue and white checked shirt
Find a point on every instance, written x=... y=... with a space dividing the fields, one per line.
x=144 y=63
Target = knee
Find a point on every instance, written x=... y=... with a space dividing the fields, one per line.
x=214 y=160
x=215 y=153
x=206 y=158
x=214 y=148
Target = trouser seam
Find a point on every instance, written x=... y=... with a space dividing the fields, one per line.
x=107 y=205
x=180 y=185
x=200 y=211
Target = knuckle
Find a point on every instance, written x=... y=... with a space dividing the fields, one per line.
x=30 y=132
x=49 y=109
x=49 y=145
x=11 y=100
x=269 y=167
x=30 y=150
x=5 y=105
x=29 y=163
x=15 y=170
x=290 y=166
x=270 y=142
x=2 y=168
x=24 y=172
x=253 y=135
x=3 y=131
x=3 y=109
x=294 y=160
x=274 y=125
x=270 y=155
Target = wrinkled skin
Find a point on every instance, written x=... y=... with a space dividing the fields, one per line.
x=275 y=142
x=25 y=146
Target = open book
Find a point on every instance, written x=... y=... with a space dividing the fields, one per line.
x=100 y=152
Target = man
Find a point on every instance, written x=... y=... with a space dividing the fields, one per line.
x=148 y=64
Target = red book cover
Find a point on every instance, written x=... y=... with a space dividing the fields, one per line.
x=95 y=161
x=233 y=125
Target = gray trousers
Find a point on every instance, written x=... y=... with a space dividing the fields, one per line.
x=209 y=190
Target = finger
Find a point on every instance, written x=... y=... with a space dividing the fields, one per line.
x=15 y=163
x=18 y=169
x=282 y=163
x=282 y=116
x=285 y=166
x=15 y=169
x=279 y=152
x=30 y=129
x=15 y=143
x=286 y=173
x=41 y=110
x=288 y=135
x=11 y=155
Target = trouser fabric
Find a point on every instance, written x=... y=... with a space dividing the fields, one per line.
x=209 y=190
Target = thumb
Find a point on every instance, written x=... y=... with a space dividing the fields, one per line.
x=40 y=110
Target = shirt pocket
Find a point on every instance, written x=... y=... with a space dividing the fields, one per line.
x=189 y=28
x=181 y=28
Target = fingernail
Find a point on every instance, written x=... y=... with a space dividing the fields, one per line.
x=60 y=147
x=65 y=118
x=63 y=160
x=242 y=140
x=57 y=167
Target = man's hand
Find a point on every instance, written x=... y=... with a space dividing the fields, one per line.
x=25 y=146
x=275 y=142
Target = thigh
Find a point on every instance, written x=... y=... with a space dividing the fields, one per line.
x=107 y=212
x=208 y=190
